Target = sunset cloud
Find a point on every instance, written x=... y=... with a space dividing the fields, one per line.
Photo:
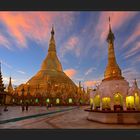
x=80 y=43
x=130 y=74
x=135 y=49
x=70 y=72
x=91 y=83
x=71 y=45
x=135 y=34
x=34 y=25
x=118 y=19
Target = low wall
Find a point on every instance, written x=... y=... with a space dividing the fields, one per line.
x=124 y=117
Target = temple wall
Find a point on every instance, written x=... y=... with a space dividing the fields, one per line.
x=109 y=88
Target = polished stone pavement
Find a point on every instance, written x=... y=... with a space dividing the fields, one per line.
x=16 y=111
x=72 y=119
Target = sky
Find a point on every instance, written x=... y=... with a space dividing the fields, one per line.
x=80 y=42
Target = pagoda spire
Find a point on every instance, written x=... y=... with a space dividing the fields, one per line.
x=110 y=37
x=112 y=70
x=10 y=87
x=1 y=81
x=52 y=46
x=51 y=61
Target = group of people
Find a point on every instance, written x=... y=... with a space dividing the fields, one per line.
x=25 y=107
x=48 y=105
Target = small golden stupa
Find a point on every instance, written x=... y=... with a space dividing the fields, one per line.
x=50 y=79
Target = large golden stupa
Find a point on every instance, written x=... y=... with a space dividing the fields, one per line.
x=50 y=80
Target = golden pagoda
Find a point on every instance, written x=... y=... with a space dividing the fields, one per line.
x=112 y=70
x=50 y=80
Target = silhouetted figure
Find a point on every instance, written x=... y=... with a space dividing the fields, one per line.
x=22 y=108
x=47 y=106
x=5 y=108
x=26 y=106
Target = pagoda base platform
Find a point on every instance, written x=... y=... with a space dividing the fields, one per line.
x=114 y=117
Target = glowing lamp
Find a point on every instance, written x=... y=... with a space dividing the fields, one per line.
x=70 y=100
x=57 y=101
x=36 y=100
x=47 y=100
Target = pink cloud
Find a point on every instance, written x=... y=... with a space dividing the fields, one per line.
x=118 y=19
x=91 y=83
x=135 y=35
x=71 y=45
x=34 y=25
x=72 y=42
x=70 y=72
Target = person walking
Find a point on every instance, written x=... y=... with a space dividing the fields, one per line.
x=26 y=106
x=22 y=107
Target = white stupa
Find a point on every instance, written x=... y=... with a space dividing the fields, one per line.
x=113 y=88
x=114 y=101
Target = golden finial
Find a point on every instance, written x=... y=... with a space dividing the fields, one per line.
x=109 y=24
x=52 y=32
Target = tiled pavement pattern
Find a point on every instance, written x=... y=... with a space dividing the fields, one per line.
x=73 y=119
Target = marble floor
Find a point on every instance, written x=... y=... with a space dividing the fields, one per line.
x=72 y=119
